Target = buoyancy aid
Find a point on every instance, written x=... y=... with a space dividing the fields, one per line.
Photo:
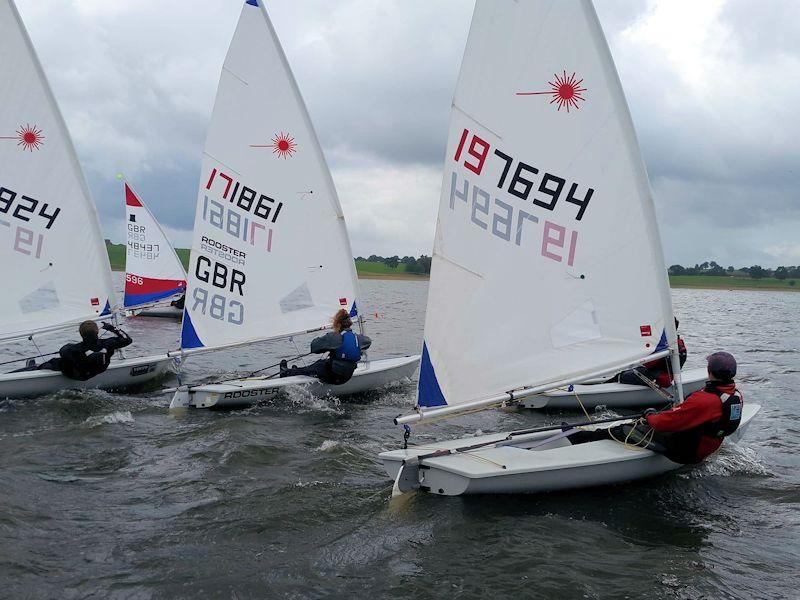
x=731 y=414
x=349 y=349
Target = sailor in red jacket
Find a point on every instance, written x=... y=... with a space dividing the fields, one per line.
x=694 y=429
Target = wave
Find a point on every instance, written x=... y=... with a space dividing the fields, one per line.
x=120 y=417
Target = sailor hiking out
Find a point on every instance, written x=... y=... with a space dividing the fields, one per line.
x=691 y=431
x=344 y=351
x=89 y=357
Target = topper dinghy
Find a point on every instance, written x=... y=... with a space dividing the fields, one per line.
x=270 y=257
x=546 y=223
x=54 y=262
x=154 y=275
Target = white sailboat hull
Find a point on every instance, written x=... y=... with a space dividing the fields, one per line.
x=367 y=376
x=120 y=374
x=163 y=312
x=613 y=395
x=509 y=469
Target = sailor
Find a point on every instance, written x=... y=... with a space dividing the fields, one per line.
x=694 y=429
x=180 y=302
x=344 y=351
x=659 y=370
x=87 y=358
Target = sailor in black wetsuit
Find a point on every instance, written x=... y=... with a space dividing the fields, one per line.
x=92 y=355
x=180 y=302
x=344 y=351
x=89 y=357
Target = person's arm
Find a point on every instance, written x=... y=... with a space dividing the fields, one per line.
x=120 y=339
x=692 y=412
x=326 y=343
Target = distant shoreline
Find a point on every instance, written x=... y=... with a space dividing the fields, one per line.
x=400 y=276
x=733 y=288
x=371 y=270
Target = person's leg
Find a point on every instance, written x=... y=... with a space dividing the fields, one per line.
x=631 y=378
x=316 y=369
x=54 y=364
x=583 y=437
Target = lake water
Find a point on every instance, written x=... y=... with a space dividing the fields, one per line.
x=108 y=496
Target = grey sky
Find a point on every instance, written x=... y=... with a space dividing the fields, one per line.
x=712 y=86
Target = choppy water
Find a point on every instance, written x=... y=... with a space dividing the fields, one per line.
x=109 y=496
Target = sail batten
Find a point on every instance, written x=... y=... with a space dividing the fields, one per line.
x=545 y=195
x=270 y=254
x=52 y=250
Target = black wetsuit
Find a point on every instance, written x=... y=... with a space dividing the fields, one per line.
x=179 y=303
x=85 y=359
x=331 y=370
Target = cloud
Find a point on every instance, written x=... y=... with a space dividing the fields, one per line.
x=710 y=84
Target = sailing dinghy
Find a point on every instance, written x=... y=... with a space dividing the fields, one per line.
x=592 y=395
x=53 y=257
x=547 y=262
x=154 y=275
x=270 y=257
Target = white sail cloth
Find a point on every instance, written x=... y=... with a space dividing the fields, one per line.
x=153 y=270
x=53 y=261
x=270 y=254
x=547 y=260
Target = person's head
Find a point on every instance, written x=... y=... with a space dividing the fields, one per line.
x=341 y=321
x=89 y=331
x=721 y=366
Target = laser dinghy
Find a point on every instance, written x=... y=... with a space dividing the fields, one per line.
x=547 y=264
x=54 y=262
x=271 y=257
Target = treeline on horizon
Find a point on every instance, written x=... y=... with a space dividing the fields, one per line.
x=420 y=266
x=755 y=272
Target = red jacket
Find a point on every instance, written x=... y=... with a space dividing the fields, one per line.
x=700 y=408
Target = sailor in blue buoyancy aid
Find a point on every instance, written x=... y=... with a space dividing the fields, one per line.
x=344 y=351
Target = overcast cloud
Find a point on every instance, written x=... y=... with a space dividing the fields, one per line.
x=712 y=86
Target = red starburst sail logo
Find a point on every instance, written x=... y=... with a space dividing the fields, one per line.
x=283 y=145
x=566 y=91
x=29 y=137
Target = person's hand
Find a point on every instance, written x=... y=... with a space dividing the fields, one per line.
x=648 y=412
x=109 y=327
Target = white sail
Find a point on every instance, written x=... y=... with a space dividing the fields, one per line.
x=270 y=254
x=54 y=262
x=153 y=270
x=547 y=261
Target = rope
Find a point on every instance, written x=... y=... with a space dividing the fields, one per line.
x=583 y=408
x=277 y=364
x=640 y=445
x=16 y=360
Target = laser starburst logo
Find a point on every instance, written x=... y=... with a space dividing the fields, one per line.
x=29 y=137
x=566 y=91
x=282 y=145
